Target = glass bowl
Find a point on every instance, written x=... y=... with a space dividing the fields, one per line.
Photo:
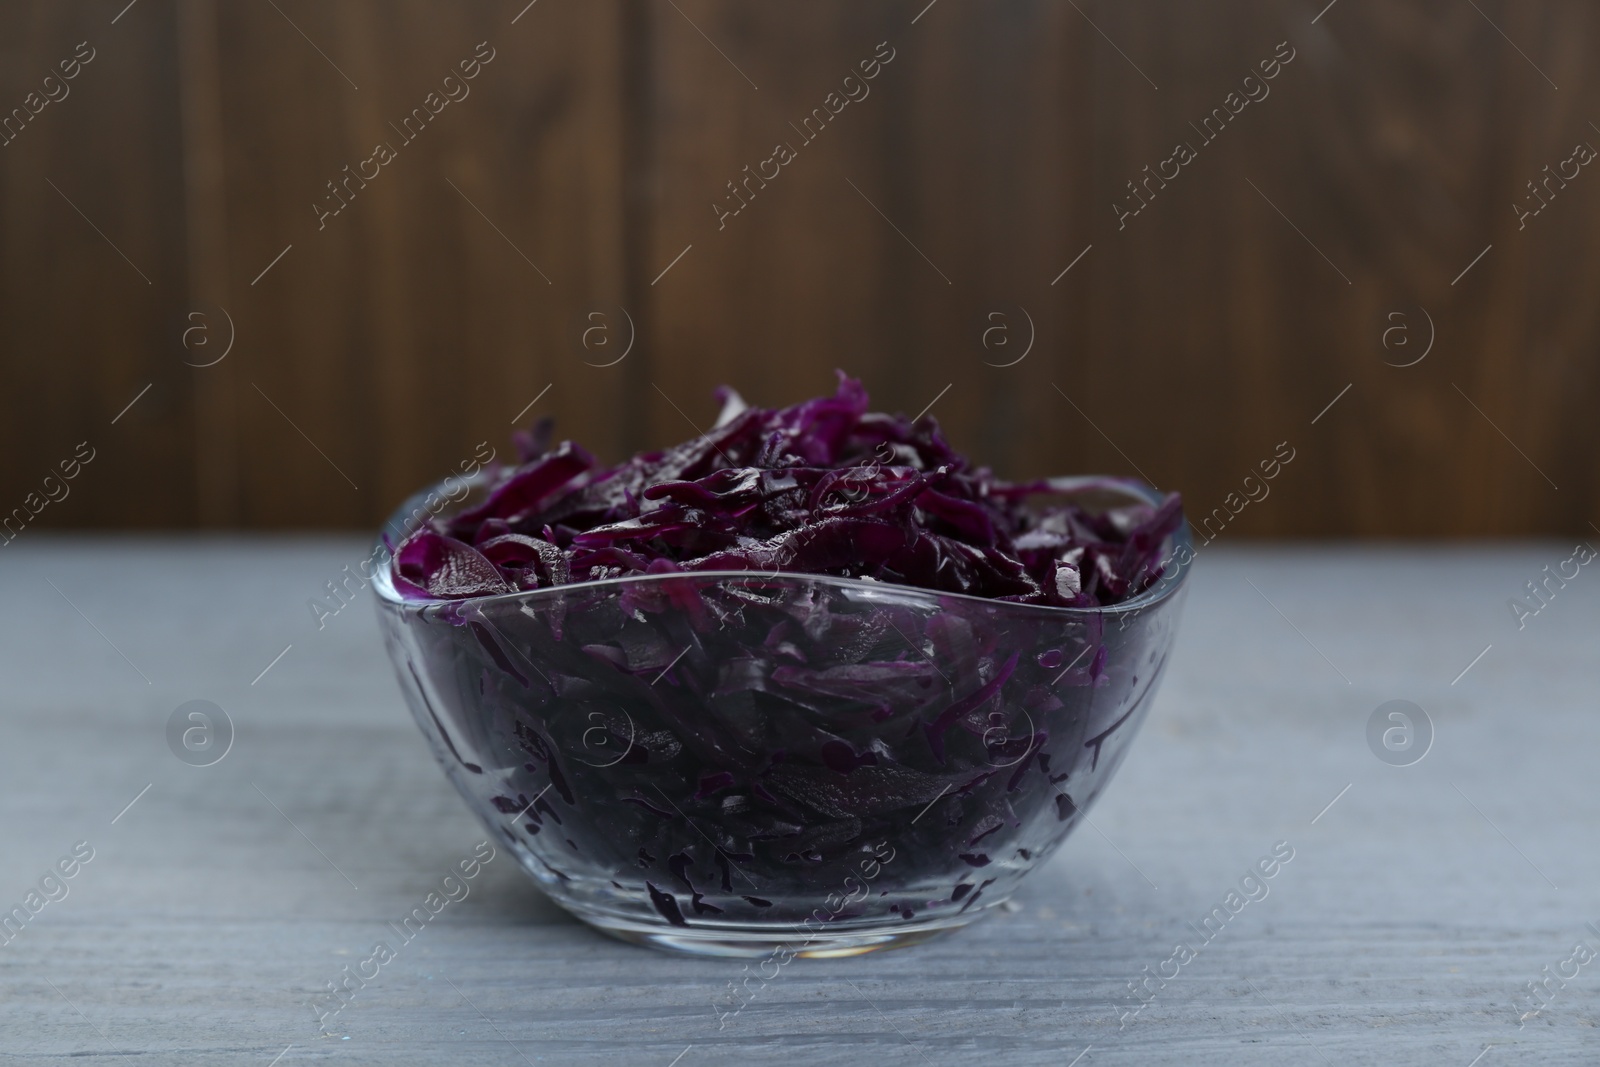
x=740 y=763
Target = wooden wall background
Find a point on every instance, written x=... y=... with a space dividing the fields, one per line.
x=456 y=287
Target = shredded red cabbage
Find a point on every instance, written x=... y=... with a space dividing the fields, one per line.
x=821 y=487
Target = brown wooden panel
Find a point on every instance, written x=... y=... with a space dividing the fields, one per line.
x=1395 y=142
x=218 y=496
x=944 y=194
x=92 y=268
x=448 y=293
x=458 y=283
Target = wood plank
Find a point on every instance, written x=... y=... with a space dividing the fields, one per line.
x=209 y=334
x=92 y=270
x=1381 y=153
x=445 y=297
x=883 y=247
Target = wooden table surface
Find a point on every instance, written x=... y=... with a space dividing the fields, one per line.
x=1415 y=911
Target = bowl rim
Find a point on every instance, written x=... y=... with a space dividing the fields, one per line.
x=1178 y=559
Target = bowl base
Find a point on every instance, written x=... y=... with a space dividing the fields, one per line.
x=747 y=942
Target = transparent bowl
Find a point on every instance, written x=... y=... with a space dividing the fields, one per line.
x=741 y=763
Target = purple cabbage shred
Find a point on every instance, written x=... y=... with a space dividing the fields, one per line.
x=821 y=487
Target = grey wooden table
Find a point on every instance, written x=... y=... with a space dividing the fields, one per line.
x=1414 y=913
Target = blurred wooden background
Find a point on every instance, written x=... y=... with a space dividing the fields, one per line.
x=560 y=195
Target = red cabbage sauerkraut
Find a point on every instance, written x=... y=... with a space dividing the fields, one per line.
x=821 y=487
